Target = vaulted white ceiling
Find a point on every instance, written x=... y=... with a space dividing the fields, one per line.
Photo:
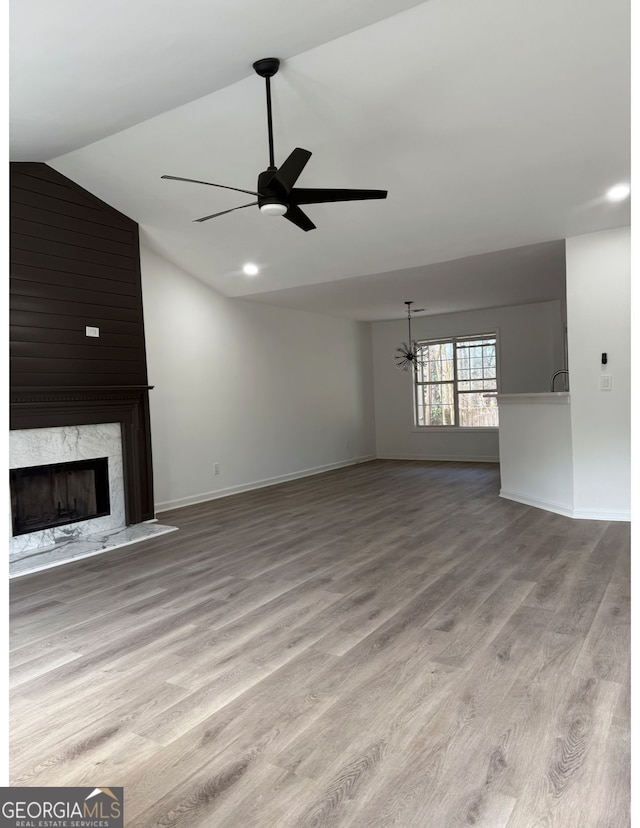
x=493 y=125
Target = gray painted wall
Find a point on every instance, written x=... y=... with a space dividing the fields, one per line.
x=530 y=342
x=267 y=393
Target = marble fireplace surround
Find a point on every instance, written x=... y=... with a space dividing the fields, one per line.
x=128 y=405
x=63 y=444
x=120 y=409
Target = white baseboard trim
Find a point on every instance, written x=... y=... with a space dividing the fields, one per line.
x=440 y=458
x=582 y=514
x=564 y=509
x=548 y=505
x=257 y=484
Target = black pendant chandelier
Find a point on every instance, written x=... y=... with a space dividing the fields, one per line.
x=408 y=352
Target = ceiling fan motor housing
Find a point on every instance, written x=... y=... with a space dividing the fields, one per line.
x=270 y=194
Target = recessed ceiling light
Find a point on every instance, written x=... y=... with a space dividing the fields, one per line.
x=250 y=269
x=619 y=192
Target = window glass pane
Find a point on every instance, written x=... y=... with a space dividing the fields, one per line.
x=436 y=405
x=476 y=410
x=476 y=361
x=464 y=361
x=435 y=362
x=478 y=385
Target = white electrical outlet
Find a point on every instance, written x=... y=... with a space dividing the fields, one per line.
x=91 y=331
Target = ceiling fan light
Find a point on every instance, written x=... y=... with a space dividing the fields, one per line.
x=274 y=209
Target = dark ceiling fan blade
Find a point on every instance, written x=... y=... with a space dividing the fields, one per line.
x=209 y=184
x=296 y=216
x=214 y=215
x=289 y=171
x=303 y=195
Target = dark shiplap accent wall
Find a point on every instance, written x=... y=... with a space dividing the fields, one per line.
x=74 y=262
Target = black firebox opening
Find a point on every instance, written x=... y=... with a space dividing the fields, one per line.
x=46 y=496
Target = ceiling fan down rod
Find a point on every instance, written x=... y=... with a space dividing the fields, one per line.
x=266 y=68
x=270 y=123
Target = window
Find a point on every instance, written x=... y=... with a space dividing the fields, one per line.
x=452 y=377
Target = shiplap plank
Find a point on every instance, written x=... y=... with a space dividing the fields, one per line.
x=81 y=310
x=66 y=250
x=47 y=217
x=75 y=335
x=74 y=238
x=72 y=293
x=47 y=276
x=85 y=351
x=45 y=201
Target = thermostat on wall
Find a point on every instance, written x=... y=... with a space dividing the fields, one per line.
x=90 y=331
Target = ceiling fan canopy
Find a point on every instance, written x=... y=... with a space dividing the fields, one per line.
x=276 y=192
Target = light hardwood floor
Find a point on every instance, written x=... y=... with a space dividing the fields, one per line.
x=385 y=645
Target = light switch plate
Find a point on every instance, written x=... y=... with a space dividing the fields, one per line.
x=605 y=382
x=91 y=331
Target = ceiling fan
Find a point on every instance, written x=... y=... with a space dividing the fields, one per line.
x=276 y=193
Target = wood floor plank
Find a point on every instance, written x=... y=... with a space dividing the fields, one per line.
x=390 y=644
x=379 y=705
x=269 y=714
x=565 y=791
x=36 y=667
x=485 y=622
x=614 y=791
x=607 y=646
x=127 y=704
x=456 y=742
